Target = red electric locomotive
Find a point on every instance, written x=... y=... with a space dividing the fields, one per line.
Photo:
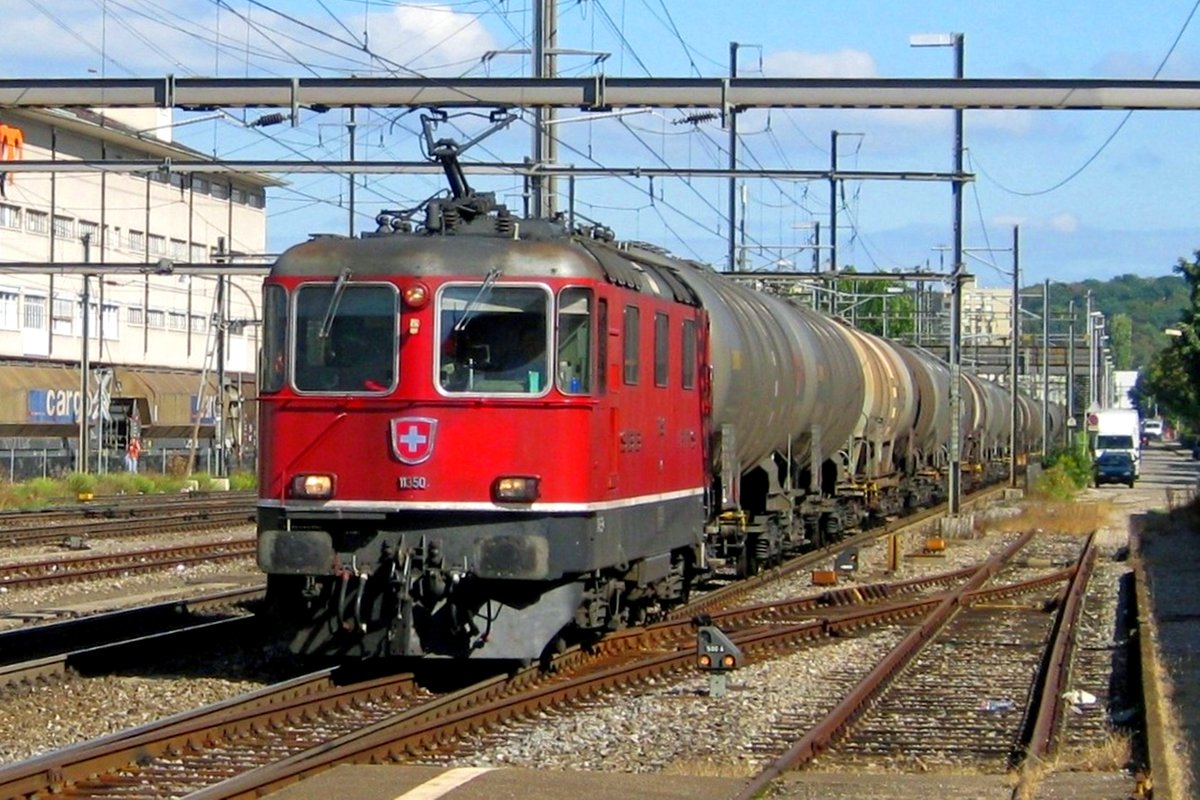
x=476 y=442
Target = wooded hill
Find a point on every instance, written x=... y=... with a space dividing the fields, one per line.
x=1150 y=305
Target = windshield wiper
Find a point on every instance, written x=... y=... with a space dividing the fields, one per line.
x=492 y=276
x=338 y=290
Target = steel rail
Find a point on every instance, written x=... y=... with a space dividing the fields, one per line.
x=856 y=702
x=66 y=639
x=727 y=594
x=121 y=506
x=82 y=532
x=446 y=719
x=41 y=573
x=79 y=763
x=1052 y=679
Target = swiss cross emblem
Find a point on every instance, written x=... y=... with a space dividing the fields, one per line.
x=412 y=438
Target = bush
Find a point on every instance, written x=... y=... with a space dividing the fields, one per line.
x=1056 y=483
x=81 y=483
x=243 y=482
x=1075 y=461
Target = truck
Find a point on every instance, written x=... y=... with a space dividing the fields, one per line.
x=1119 y=430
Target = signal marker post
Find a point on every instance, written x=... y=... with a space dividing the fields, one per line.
x=716 y=655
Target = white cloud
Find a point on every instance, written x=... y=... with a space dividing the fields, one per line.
x=427 y=37
x=1062 y=222
x=1065 y=222
x=195 y=37
x=842 y=64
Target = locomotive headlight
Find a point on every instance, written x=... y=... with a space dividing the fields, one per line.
x=416 y=296
x=312 y=487
x=515 y=489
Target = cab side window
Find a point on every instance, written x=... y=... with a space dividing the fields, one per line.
x=631 y=345
x=574 y=373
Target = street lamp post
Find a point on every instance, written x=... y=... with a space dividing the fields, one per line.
x=1013 y=361
x=1045 y=366
x=1070 y=371
x=954 y=482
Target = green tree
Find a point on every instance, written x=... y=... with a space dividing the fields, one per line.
x=1172 y=381
x=1120 y=334
x=872 y=303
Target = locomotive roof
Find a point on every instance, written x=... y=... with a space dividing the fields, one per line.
x=541 y=250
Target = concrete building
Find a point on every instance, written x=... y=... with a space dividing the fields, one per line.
x=150 y=323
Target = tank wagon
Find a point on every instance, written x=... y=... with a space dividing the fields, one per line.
x=487 y=436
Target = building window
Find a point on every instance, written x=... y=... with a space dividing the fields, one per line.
x=200 y=185
x=258 y=199
x=178 y=249
x=63 y=318
x=10 y=216
x=64 y=227
x=158 y=245
x=177 y=320
x=199 y=254
x=137 y=241
x=177 y=179
x=112 y=321
x=9 y=304
x=112 y=236
x=220 y=190
x=93 y=319
x=35 y=313
x=239 y=196
x=136 y=316
x=199 y=323
x=156 y=318
x=89 y=232
x=37 y=222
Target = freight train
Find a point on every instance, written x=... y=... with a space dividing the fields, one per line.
x=484 y=436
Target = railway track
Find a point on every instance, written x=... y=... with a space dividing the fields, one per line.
x=407 y=726
x=162 y=514
x=956 y=691
x=36 y=652
x=46 y=572
x=393 y=726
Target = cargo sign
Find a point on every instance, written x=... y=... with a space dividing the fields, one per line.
x=55 y=406
x=61 y=406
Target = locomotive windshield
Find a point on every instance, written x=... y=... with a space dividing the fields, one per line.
x=352 y=350
x=493 y=339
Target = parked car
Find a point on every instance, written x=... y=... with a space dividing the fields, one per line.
x=1113 y=467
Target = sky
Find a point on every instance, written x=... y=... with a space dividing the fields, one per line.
x=1095 y=194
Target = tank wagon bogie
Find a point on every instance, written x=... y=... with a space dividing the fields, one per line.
x=490 y=436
